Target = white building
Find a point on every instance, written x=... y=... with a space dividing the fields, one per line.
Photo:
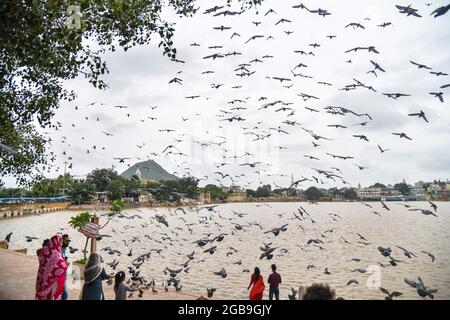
x=369 y=193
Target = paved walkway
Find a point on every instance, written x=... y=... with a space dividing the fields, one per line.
x=18 y=280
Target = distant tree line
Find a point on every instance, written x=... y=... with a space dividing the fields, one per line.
x=101 y=180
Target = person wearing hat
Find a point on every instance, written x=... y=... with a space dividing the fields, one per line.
x=64 y=248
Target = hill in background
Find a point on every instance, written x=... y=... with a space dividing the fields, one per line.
x=148 y=170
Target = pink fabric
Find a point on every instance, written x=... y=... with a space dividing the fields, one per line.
x=52 y=271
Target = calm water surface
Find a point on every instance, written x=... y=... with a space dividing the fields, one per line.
x=397 y=227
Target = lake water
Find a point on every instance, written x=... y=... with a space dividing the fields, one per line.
x=397 y=227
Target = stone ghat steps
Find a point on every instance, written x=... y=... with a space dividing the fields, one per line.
x=12 y=211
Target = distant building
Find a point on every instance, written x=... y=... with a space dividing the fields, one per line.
x=138 y=173
x=417 y=192
x=368 y=193
x=205 y=197
x=101 y=197
x=236 y=193
x=129 y=200
x=145 y=197
x=439 y=190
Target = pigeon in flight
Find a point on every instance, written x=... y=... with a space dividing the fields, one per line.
x=424 y=212
x=382 y=150
x=440 y=11
x=438 y=95
x=254 y=38
x=384 y=25
x=407 y=252
x=390 y=295
x=420 y=66
x=420 y=114
x=402 y=135
x=430 y=255
x=408 y=11
x=421 y=289
x=433 y=205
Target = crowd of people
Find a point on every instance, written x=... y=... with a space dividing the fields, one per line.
x=52 y=273
x=53 y=265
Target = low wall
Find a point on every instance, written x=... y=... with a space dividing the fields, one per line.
x=17 y=210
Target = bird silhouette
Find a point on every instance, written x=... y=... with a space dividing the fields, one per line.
x=440 y=11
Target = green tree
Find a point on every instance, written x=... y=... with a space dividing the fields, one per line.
x=189 y=186
x=131 y=186
x=101 y=178
x=47 y=188
x=81 y=192
x=278 y=191
x=44 y=43
x=78 y=222
x=216 y=192
x=21 y=147
x=152 y=185
x=250 y=193
x=292 y=192
x=350 y=194
x=11 y=192
x=117 y=206
x=312 y=193
x=403 y=188
x=264 y=191
x=116 y=189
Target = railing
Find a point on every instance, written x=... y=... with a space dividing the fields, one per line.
x=16 y=210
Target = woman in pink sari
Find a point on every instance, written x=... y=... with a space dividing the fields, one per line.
x=52 y=271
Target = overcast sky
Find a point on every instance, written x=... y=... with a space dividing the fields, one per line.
x=139 y=78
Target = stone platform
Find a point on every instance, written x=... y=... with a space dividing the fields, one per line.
x=18 y=273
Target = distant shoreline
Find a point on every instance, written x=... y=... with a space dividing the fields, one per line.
x=106 y=207
x=258 y=200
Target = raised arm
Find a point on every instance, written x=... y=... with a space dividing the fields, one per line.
x=104 y=275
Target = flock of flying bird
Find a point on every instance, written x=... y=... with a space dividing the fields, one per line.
x=221 y=231
x=243 y=107
x=211 y=243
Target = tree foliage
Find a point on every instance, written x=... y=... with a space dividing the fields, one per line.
x=350 y=194
x=117 y=206
x=116 y=189
x=23 y=147
x=403 y=188
x=217 y=193
x=79 y=221
x=312 y=193
x=264 y=191
x=101 y=178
